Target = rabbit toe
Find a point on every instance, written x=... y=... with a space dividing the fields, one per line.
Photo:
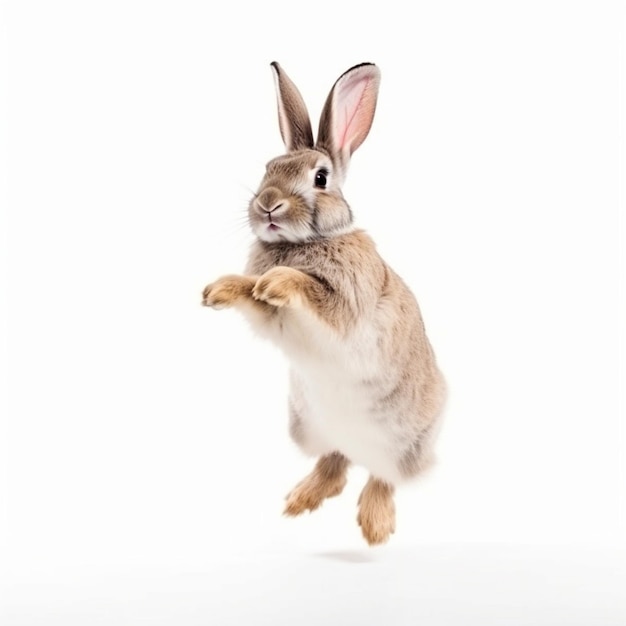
x=278 y=287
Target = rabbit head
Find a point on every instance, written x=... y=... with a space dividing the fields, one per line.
x=300 y=196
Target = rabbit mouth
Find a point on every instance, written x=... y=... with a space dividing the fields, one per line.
x=273 y=227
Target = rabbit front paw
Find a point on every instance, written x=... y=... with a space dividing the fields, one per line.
x=225 y=291
x=280 y=286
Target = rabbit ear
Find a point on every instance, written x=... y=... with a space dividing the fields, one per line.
x=348 y=113
x=293 y=118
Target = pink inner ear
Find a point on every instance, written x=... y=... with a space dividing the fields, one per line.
x=354 y=110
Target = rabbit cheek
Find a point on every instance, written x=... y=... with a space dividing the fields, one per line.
x=331 y=215
x=296 y=223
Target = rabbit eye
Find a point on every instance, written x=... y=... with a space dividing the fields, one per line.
x=321 y=178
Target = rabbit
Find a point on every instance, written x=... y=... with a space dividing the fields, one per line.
x=364 y=385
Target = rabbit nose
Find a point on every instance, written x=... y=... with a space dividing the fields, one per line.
x=269 y=200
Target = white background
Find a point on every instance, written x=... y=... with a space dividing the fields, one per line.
x=143 y=438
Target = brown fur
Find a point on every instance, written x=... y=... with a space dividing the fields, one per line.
x=295 y=127
x=346 y=274
x=234 y=290
x=327 y=480
x=377 y=511
x=318 y=288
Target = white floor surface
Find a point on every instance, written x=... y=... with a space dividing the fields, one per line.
x=435 y=585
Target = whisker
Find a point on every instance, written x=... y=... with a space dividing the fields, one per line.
x=251 y=191
x=240 y=222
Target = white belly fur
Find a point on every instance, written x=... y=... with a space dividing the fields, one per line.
x=336 y=404
x=340 y=419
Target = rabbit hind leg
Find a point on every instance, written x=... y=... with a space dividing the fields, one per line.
x=377 y=511
x=327 y=479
